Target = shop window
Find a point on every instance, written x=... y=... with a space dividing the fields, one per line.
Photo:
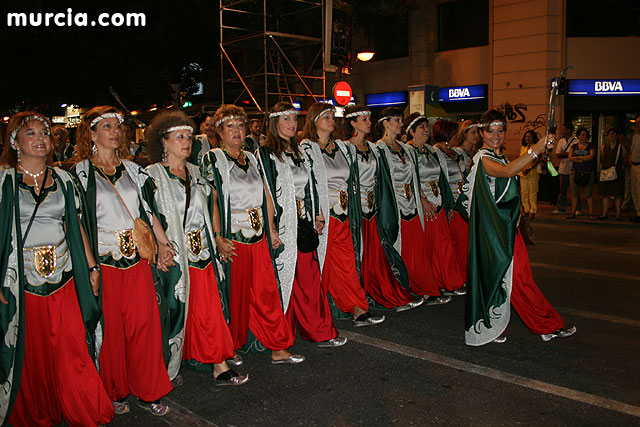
x=463 y=23
x=603 y=18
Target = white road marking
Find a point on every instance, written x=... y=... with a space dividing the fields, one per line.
x=610 y=274
x=598 y=316
x=497 y=375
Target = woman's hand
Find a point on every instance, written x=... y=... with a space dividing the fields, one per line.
x=320 y=224
x=429 y=209
x=165 y=257
x=226 y=249
x=94 y=278
x=275 y=239
x=3 y=300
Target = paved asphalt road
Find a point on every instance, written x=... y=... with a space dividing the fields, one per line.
x=415 y=369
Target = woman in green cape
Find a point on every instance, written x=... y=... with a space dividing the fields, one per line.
x=197 y=328
x=49 y=280
x=499 y=273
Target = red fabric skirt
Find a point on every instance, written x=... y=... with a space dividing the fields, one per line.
x=206 y=337
x=413 y=254
x=532 y=307
x=254 y=300
x=131 y=359
x=440 y=255
x=308 y=306
x=58 y=376
x=379 y=281
x=460 y=237
x=339 y=274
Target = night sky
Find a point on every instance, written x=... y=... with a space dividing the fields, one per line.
x=43 y=67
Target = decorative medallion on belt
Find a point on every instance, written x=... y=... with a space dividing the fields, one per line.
x=460 y=185
x=434 y=188
x=194 y=239
x=343 y=197
x=126 y=243
x=299 y=206
x=408 y=192
x=44 y=258
x=371 y=199
x=254 y=219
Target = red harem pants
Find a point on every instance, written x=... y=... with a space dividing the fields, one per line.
x=460 y=237
x=441 y=258
x=379 y=281
x=413 y=255
x=532 y=307
x=206 y=337
x=131 y=359
x=58 y=376
x=308 y=306
x=254 y=300
x=339 y=274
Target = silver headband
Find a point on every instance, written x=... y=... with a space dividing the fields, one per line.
x=282 y=113
x=382 y=119
x=494 y=123
x=106 y=116
x=14 y=133
x=224 y=119
x=474 y=125
x=358 y=113
x=413 y=122
x=175 y=128
x=321 y=113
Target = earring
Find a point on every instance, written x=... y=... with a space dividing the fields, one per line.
x=355 y=133
x=164 y=154
x=94 y=149
x=18 y=155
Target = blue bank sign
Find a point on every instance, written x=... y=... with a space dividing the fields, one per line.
x=462 y=93
x=604 y=87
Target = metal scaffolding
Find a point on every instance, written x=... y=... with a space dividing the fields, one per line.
x=265 y=65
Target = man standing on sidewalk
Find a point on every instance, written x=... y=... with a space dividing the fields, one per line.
x=635 y=169
x=564 y=169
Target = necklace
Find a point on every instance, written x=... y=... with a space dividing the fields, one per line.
x=35 y=177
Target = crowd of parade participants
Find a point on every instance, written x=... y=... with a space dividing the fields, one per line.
x=115 y=276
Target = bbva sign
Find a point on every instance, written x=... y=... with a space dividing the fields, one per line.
x=459 y=93
x=608 y=86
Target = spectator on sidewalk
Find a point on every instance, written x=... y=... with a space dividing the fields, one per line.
x=564 y=167
x=581 y=155
x=634 y=159
x=613 y=154
x=529 y=176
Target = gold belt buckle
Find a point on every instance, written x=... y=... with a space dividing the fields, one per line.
x=343 y=197
x=299 y=206
x=45 y=258
x=254 y=219
x=371 y=199
x=408 y=192
x=434 y=188
x=460 y=185
x=194 y=240
x=126 y=243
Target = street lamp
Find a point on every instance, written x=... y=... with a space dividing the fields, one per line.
x=365 y=56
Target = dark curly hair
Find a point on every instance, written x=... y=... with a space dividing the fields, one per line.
x=157 y=131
